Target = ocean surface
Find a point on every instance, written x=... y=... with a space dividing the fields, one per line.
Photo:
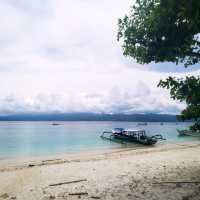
x=21 y=139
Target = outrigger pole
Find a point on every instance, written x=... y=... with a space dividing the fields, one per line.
x=111 y=137
x=102 y=136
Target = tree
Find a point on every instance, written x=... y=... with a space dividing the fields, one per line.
x=166 y=30
x=187 y=90
x=162 y=30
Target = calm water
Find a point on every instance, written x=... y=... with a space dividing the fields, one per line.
x=41 y=138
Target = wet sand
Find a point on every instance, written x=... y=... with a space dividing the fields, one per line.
x=163 y=172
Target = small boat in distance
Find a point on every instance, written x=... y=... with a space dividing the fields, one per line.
x=142 y=124
x=188 y=133
x=55 y=124
x=130 y=135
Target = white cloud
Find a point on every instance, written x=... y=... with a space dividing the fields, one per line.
x=115 y=100
x=62 y=55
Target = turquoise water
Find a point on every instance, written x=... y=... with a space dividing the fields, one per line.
x=41 y=138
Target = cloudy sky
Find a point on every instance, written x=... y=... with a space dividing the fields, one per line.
x=63 y=56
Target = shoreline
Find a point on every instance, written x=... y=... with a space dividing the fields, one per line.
x=34 y=161
x=165 y=172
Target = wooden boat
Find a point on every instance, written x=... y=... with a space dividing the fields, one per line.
x=55 y=124
x=188 y=133
x=130 y=135
x=142 y=124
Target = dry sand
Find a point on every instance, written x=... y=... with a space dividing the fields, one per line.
x=121 y=174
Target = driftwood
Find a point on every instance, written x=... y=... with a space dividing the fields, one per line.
x=51 y=160
x=68 y=182
x=95 y=197
x=31 y=165
x=79 y=193
x=174 y=182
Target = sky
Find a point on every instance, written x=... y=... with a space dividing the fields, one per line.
x=63 y=56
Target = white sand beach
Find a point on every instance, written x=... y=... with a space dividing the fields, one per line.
x=166 y=172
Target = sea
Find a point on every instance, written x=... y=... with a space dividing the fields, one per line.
x=25 y=139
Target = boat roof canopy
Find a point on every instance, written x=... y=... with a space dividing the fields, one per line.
x=134 y=130
x=119 y=130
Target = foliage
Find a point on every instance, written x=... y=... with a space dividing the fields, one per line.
x=187 y=90
x=196 y=126
x=162 y=30
x=167 y=30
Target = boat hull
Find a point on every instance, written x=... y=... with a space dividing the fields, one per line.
x=188 y=133
x=146 y=141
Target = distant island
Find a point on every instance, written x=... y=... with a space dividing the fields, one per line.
x=149 y=117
